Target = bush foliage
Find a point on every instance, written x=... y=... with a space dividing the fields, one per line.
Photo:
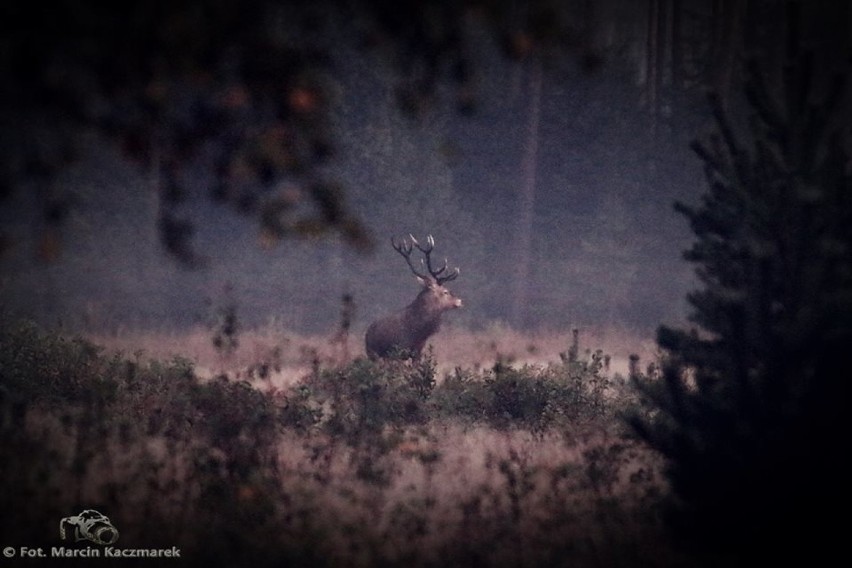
x=235 y=473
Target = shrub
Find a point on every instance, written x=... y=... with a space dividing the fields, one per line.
x=173 y=459
x=750 y=413
x=364 y=397
x=532 y=397
x=168 y=456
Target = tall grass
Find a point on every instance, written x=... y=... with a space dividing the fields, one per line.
x=353 y=464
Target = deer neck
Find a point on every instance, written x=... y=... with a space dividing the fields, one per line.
x=420 y=316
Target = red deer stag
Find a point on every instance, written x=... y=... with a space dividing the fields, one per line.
x=406 y=331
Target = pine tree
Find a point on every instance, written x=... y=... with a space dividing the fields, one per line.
x=750 y=414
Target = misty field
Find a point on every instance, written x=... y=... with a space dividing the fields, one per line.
x=494 y=449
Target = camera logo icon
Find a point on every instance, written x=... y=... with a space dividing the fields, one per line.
x=89 y=525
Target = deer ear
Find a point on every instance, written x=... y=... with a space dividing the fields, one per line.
x=423 y=281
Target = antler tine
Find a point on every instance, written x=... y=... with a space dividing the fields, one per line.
x=451 y=276
x=405 y=248
x=430 y=244
x=439 y=275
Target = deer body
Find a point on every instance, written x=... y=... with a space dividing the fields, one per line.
x=410 y=328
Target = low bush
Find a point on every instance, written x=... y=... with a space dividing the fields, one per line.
x=534 y=398
x=340 y=468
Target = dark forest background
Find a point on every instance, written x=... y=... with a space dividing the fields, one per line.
x=164 y=156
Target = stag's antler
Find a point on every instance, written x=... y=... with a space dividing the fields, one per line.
x=439 y=275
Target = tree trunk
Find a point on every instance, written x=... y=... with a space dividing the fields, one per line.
x=526 y=203
x=651 y=71
x=678 y=75
x=727 y=37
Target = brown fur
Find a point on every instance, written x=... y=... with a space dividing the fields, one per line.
x=408 y=329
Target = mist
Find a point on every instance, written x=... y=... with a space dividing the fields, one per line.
x=604 y=245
